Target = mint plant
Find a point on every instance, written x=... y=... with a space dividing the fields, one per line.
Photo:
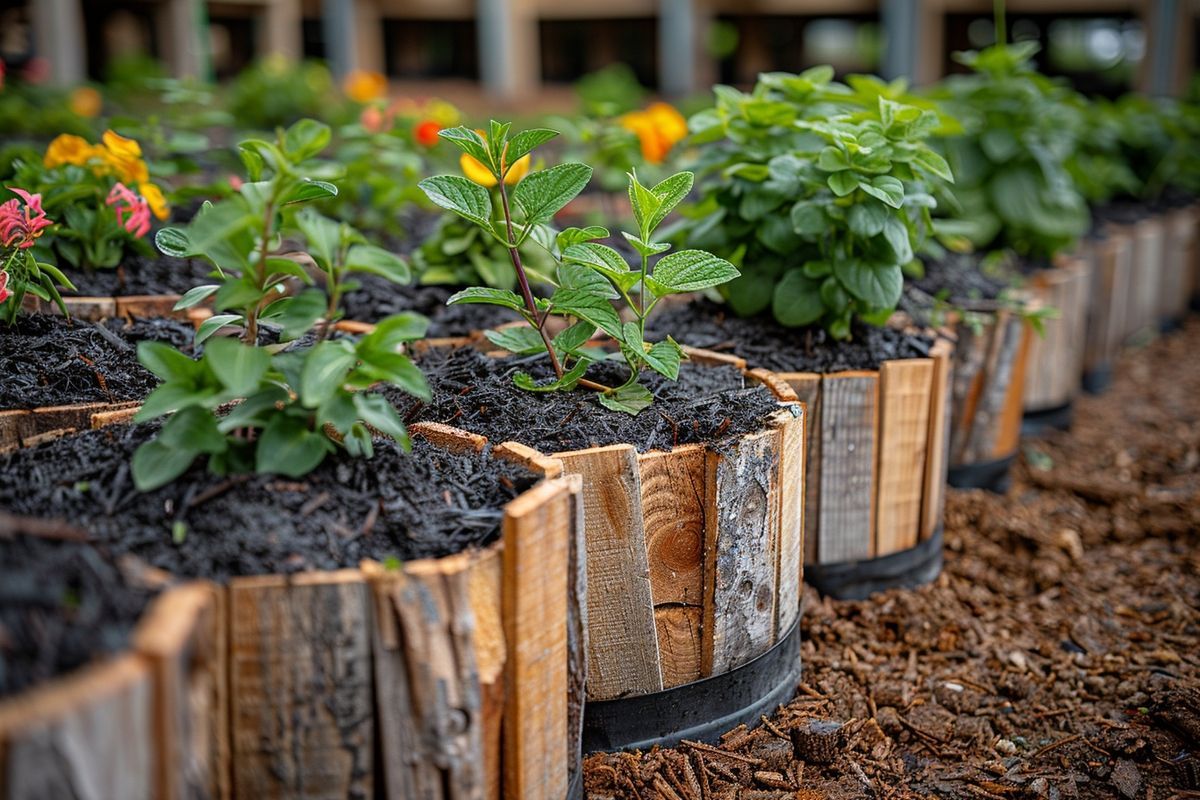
x=590 y=279
x=819 y=191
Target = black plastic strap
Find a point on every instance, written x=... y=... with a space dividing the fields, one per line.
x=854 y=580
x=991 y=475
x=698 y=711
x=1036 y=423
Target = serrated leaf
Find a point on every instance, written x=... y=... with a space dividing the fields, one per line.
x=632 y=399
x=670 y=193
x=522 y=340
x=468 y=141
x=305 y=139
x=462 y=196
x=540 y=195
x=568 y=381
x=578 y=276
x=588 y=307
x=691 y=271
x=645 y=248
x=574 y=337
x=600 y=257
x=525 y=141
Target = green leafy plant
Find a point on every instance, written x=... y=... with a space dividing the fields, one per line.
x=591 y=278
x=820 y=193
x=459 y=253
x=22 y=222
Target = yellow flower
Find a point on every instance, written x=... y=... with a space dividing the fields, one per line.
x=124 y=157
x=85 y=101
x=68 y=149
x=363 y=86
x=483 y=176
x=442 y=113
x=154 y=198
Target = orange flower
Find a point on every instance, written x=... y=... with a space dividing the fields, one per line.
x=69 y=149
x=426 y=132
x=85 y=101
x=363 y=86
x=374 y=120
x=658 y=128
x=124 y=157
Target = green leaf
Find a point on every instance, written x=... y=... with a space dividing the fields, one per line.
x=934 y=163
x=886 y=188
x=239 y=293
x=214 y=324
x=307 y=191
x=567 y=382
x=540 y=195
x=322 y=235
x=867 y=219
x=469 y=142
x=288 y=447
x=255 y=410
x=305 y=139
x=896 y=234
x=878 y=285
x=520 y=339
x=602 y=258
x=645 y=248
x=596 y=310
x=797 y=299
x=525 y=141
x=173 y=242
x=154 y=465
x=166 y=362
x=377 y=261
x=632 y=399
x=339 y=412
x=483 y=294
x=393 y=331
x=832 y=159
x=574 y=337
x=376 y=411
x=173 y=396
x=325 y=368
x=690 y=271
x=296 y=315
x=843 y=183
x=670 y=193
x=579 y=235
x=195 y=296
x=809 y=220
x=462 y=196
x=644 y=202
x=776 y=233
x=577 y=276
x=193 y=429
x=239 y=367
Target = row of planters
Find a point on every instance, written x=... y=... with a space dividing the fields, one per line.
x=598 y=537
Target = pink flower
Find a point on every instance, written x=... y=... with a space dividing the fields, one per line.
x=4 y=292
x=19 y=227
x=133 y=212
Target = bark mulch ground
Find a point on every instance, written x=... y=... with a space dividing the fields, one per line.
x=1058 y=655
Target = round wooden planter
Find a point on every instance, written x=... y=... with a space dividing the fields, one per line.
x=1112 y=259
x=1055 y=368
x=876 y=476
x=25 y=428
x=446 y=678
x=693 y=563
x=986 y=400
x=94 y=309
x=1149 y=246
x=1179 y=266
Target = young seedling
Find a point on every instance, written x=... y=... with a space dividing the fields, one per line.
x=590 y=278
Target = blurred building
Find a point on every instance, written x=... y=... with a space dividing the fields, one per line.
x=512 y=48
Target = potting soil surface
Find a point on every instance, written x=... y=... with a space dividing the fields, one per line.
x=156 y=274
x=476 y=392
x=378 y=298
x=1057 y=656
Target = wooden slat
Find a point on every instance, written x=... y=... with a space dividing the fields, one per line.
x=807 y=386
x=88 y=735
x=714 y=359
x=775 y=384
x=1177 y=278
x=623 y=653
x=789 y=566
x=742 y=530
x=1008 y=434
x=448 y=437
x=1148 y=242
x=182 y=637
x=904 y=405
x=673 y=502
x=1056 y=359
x=301 y=708
x=148 y=305
x=15 y=427
x=102 y=419
x=536 y=551
x=969 y=382
x=849 y=413
x=485 y=591
x=938 y=445
x=529 y=458
x=577 y=627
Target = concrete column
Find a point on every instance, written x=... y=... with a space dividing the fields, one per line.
x=901 y=31
x=1163 y=46
x=677 y=47
x=368 y=35
x=337 y=17
x=184 y=29
x=58 y=36
x=508 y=48
x=282 y=30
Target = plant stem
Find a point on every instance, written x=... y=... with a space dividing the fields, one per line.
x=524 y=281
x=251 y=335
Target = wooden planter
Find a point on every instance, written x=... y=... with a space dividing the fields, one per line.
x=95 y=309
x=446 y=678
x=876 y=473
x=1149 y=249
x=1055 y=367
x=986 y=399
x=25 y=428
x=1112 y=261
x=1182 y=231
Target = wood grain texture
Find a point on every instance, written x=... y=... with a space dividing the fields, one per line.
x=905 y=388
x=1008 y=435
x=148 y=305
x=88 y=735
x=15 y=427
x=849 y=418
x=1176 y=292
x=1055 y=364
x=537 y=547
x=182 y=638
x=300 y=686
x=775 y=384
x=529 y=458
x=673 y=497
x=485 y=585
x=807 y=386
x=789 y=565
x=742 y=540
x=713 y=358
x=968 y=384
x=1149 y=237
x=933 y=497
x=623 y=653
x=1112 y=261
x=448 y=437
x=577 y=625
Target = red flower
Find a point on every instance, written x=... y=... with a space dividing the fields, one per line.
x=19 y=227
x=133 y=212
x=4 y=292
x=426 y=133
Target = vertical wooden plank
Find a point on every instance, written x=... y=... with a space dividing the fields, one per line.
x=623 y=653
x=1008 y=435
x=1176 y=289
x=535 y=585
x=577 y=627
x=789 y=566
x=673 y=501
x=300 y=686
x=1144 y=282
x=807 y=386
x=904 y=406
x=15 y=427
x=89 y=735
x=967 y=387
x=1122 y=253
x=938 y=447
x=741 y=529
x=182 y=637
x=485 y=590
x=849 y=416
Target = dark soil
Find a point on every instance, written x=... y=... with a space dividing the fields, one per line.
x=959 y=278
x=379 y=298
x=47 y=360
x=62 y=604
x=477 y=393
x=765 y=343
x=139 y=275
x=425 y=504
x=1056 y=657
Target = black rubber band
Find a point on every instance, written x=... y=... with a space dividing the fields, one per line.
x=699 y=711
x=1098 y=379
x=1035 y=423
x=991 y=475
x=855 y=580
